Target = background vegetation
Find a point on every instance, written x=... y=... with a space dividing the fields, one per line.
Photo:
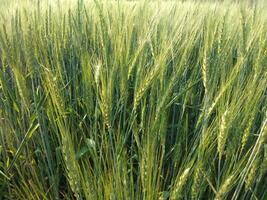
x=133 y=100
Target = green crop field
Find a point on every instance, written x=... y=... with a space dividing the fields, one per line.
x=133 y=100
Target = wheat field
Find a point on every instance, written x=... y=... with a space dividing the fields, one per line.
x=133 y=100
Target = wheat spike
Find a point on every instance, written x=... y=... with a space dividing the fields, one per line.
x=252 y=174
x=177 y=193
x=204 y=72
x=245 y=136
x=222 y=135
x=197 y=182
x=224 y=188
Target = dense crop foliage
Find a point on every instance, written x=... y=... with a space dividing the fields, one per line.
x=133 y=100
